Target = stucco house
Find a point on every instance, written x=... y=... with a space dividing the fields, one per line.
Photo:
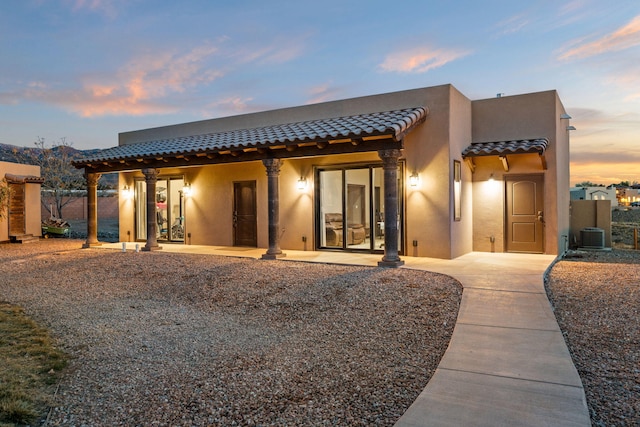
x=594 y=193
x=424 y=172
x=21 y=221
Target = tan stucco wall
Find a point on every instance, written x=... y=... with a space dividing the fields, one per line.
x=589 y=213
x=32 y=200
x=430 y=149
x=525 y=116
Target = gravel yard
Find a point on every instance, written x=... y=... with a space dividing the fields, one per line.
x=596 y=297
x=177 y=339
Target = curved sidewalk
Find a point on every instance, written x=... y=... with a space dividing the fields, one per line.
x=507 y=363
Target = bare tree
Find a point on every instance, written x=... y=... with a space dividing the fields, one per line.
x=4 y=197
x=62 y=181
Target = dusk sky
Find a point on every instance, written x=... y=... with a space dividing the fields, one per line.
x=88 y=69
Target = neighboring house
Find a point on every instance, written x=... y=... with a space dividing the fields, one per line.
x=627 y=195
x=22 y=220
x=595 y=193
x=424 y=172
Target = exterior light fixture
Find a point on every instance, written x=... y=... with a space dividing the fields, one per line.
x=565 y=116
x=414 y=179
x=127 y=192
x=571 y=128
x=302 y=183
x=491 y=178
x=186 y=190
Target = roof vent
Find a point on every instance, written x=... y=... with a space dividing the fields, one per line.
x=592 y=238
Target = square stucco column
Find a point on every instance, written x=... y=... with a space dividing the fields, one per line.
x=151 y=178
x=390 y=167
x=273 y=185
x=92 y=209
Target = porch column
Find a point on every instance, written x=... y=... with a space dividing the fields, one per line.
x=151 y=177
x=273 y=174
x=92 y=209
x=390 y=166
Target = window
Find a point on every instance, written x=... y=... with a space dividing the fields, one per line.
x=457 y=190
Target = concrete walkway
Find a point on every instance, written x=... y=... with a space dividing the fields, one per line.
x=507 y=363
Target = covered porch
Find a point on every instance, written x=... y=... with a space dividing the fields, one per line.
x=382 y=133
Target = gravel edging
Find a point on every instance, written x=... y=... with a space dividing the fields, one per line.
x=596 y=300
x=179 y=339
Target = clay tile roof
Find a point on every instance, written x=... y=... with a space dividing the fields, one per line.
x=503 y=148
x=392 y=123
x=23 y=179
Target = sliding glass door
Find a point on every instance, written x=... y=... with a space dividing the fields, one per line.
x=170 y=218
x=350 y=208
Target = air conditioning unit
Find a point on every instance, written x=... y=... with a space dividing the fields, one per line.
x=592 y=238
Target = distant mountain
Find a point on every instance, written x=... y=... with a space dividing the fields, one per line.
x=8 y=153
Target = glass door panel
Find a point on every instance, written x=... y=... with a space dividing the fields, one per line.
x=331 y=209
x=141 y=210
x=169 y=209
x=357 y=209
x=377 y=178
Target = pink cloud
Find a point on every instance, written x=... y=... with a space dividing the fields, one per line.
x=624 y=38
x=324 y=92
x=139 y=85
x=106 y=7
x=419 y=59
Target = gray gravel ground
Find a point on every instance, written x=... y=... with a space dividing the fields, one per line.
x=176 y=339
x=596 y=298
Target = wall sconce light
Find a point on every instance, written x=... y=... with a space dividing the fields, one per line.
x=127 y=192
x=571 y=128
x=302 y=183
x=414 y=179
x=565 y=116
x=491 y=178
x=186 y=190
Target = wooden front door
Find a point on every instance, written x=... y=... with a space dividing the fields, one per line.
x=525 y=213
x=245 y=226
x=16 y=210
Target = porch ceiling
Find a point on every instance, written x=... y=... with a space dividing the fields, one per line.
x=350 y=134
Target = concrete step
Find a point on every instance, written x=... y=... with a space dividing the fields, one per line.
x=24 y=238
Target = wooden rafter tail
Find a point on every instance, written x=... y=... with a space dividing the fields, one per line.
x=543 y=160
x=469 y=162
x=505 y=163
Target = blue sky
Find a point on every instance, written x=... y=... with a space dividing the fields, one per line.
x=88 y=69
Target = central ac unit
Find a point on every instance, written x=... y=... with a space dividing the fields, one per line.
x=592 y=238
